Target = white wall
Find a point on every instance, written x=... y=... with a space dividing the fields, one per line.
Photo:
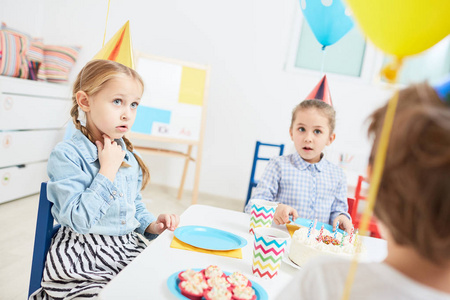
x=245 y=42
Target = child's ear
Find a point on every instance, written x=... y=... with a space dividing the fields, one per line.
x=331 y=139
x=83 y=101
x=291 y=133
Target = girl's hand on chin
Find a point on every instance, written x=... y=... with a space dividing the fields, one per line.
x=110 y=156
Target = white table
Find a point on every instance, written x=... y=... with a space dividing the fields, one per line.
x=146 y=276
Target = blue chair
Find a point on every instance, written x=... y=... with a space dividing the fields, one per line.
x=253 y=183
x=42 y=239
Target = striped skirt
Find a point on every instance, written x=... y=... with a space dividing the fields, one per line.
x=80 y=265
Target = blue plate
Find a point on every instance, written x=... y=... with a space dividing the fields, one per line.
x=306 y=222
x=173 y=281
x=209 y=238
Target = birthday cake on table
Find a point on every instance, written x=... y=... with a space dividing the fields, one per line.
x=308 y=243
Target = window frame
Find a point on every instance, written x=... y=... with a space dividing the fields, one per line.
x=371 y=63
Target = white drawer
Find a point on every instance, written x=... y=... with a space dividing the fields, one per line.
x=22 y=147
x=20 y=182
x=11 y=85
x=27 y=112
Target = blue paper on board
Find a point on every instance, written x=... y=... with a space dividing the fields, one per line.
x=147 y=115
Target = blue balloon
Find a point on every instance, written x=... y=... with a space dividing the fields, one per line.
x=327 y=19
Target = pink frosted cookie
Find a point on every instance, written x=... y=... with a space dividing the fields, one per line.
x=217 y=293
x=192 y=289
x=238 y=279
x=213 y=271
x=190 y=274
x=218 y=282
x=244 y=293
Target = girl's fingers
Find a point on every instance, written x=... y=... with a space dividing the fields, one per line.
x=160 y=228
x=99 y=145
x=347 y=226
x=276 y=220
x=167 y=221
x=340 y=225
x=174 y=222
x=106 y=139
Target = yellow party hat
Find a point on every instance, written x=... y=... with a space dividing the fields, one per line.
x=119 y=48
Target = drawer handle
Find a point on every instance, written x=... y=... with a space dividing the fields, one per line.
x=8 y=103
x=6 y=178
x=7 y=140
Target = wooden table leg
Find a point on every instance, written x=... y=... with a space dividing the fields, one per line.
x=183 y=177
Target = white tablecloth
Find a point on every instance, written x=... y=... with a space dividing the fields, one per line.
x=146 y=277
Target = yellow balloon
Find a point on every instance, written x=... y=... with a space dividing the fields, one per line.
x=403 y=27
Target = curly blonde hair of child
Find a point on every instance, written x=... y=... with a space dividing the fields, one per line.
x=92 y=79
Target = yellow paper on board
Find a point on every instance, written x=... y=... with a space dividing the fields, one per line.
x=119 y=48
x=176 y=243
x=192 y=86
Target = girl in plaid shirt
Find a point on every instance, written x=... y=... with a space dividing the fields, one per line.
x=304 y=183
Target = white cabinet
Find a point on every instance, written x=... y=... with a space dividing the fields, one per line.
x=32 y=120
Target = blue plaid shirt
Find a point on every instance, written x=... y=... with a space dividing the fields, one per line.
x=316 y=191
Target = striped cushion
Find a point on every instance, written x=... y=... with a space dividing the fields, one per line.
x=36 y=51
x=13 y=47
x=35 y=57
x=58 y=61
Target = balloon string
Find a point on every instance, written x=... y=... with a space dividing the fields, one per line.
x=391 y=70
x=377 y=172
x=106 y=25
x=323 y=60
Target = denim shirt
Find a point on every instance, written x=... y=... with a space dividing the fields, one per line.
x=88 y=202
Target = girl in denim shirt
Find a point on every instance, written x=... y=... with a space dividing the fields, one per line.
x=95 y=183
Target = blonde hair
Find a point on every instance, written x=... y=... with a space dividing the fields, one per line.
x=414 y=195
x=326 y=109
x=91 y=80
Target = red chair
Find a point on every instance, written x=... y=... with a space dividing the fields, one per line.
x=373 y=226
x=351 y=206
